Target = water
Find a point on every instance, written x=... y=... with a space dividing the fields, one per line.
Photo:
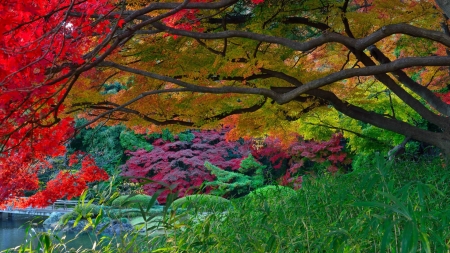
x=12 y=232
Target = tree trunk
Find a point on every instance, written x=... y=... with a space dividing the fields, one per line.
x=445 y=6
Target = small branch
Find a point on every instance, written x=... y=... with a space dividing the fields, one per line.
x=399 y=149
x=391 y=104
x=350 y=131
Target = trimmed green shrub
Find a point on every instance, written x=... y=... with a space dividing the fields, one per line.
x=202 y=202
x=235 y=184
x=131 y=141
x=271 y=191
x=139 y=222
x=134 y=201
x=122 y=213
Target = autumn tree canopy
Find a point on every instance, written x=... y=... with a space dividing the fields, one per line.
x=261 y=66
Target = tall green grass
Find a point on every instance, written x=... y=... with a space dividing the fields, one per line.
x=385 y=207
x=398 y=206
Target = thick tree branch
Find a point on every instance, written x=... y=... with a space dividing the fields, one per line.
x=193 y=87
x=378 y=120
x=407 y=98
x=377 y=70
x=420 y=90
x=110 y=108
x=327 y=37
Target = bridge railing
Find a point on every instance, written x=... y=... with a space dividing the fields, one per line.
x=65 y=204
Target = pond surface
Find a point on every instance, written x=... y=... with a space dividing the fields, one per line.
x=13 y=232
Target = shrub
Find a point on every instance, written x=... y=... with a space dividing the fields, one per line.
x=134 y=201
x=202 y=202
x=182 y=163
x=271 y=191
x=287 y=163
x=66 y=217
x=122 y=213
x=236 y=184
x=102 y=142
x=131 y=141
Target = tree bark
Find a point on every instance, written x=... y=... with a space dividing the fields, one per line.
x=445 y=6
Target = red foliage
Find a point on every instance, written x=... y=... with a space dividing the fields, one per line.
x=274 y=151
x=185 y=19
x=444 y=96
x=68 y=185
x=182 y=163
x=257 y=1
x=34 y=38
x=285 y=162
x=322 y=151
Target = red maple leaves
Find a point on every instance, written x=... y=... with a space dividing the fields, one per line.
x=181 y=163
x=38 y=42
x=66 y=184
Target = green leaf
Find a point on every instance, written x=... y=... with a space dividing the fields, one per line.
x=406 y=242
x=385 y=241
x=270 y=243
x=425 y=242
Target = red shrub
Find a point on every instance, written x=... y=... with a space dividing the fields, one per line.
x=181 y=162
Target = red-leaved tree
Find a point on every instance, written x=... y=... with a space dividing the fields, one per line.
x=44 y=48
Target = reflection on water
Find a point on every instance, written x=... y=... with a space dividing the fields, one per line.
x=13 y=231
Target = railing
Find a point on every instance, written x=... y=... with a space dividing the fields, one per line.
x=65 y=204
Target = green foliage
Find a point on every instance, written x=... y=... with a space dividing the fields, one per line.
x=202 y=202
x=167 y=135
x=102 y=143
x=386 y=207
x=67 y=216
x=112 y=88
x=106 y=192
x=271 y=191
x=134 y=201
x=237 y=184
x=131 y=141
x=85 y=211
x=250 y=166
x=186 y=136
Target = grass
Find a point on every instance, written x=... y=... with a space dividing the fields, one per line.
x=401 y=207
x=384 y=207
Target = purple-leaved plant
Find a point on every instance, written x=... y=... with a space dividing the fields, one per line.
x=182 y=162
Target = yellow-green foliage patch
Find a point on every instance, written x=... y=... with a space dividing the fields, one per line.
x=271 y=191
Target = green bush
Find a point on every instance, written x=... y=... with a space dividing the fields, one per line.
x=131 y=141
x=235 y=184
x=186 y=136
x=123 y=213
x=134 y=201
x=202 y=202
x=102 y=142
x=271 y=191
